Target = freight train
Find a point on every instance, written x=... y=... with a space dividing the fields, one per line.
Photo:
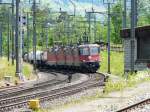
x=84 y=57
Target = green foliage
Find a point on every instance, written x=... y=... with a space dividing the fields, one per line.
x=117 y=23
x=72 y=28
x=101 y=32
x=144 y=12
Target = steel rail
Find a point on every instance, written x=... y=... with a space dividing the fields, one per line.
x=39 y=85
x=134 y=106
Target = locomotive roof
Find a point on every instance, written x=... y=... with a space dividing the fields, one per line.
x=89 y=45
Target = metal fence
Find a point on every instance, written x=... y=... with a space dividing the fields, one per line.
x=116 y=48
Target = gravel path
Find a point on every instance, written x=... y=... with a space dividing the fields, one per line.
x=108 y=103
x=41 y=77
x=145 y=108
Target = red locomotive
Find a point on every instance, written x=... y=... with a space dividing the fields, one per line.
x=85 y=57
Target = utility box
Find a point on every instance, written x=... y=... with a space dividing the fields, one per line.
x=34 y=104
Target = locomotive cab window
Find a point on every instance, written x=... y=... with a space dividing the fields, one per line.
x=94 y=50
x=84 y=51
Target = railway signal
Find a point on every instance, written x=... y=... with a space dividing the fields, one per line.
x=23 y=20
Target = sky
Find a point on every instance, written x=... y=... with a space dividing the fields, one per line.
x=66 y=5
x=81 y=5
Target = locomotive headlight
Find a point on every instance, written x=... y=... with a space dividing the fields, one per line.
x=89 y=57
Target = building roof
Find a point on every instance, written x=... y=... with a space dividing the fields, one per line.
x=142 y=31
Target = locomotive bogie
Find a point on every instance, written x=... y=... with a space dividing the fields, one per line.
x=90 y=66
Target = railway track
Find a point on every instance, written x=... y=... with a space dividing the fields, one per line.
x=9 y=104
x=39 y=85
x=21 y=86
x=135 y=106
x=9 y=87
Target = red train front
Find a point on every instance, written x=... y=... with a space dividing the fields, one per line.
x=89 y=57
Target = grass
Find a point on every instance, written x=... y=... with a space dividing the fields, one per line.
x=130 y=82
x=117 y=68
x=116 y=63
x=7 y=69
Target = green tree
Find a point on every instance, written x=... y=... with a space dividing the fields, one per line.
x=116 y=20
x=143 y=12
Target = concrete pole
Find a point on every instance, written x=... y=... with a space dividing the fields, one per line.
x=46 y=37
x=125 y=14
x=8 y=38
x=34 y=33
x=95 y=28
x=136 y=13
x=13 y=33
x=28 y=36
x=17 y=39
x=108 y=37
x=89 y=16
x=125 y=22
x=1 y=42
x=132 y=34
x=42 y=38
x=21 y=41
